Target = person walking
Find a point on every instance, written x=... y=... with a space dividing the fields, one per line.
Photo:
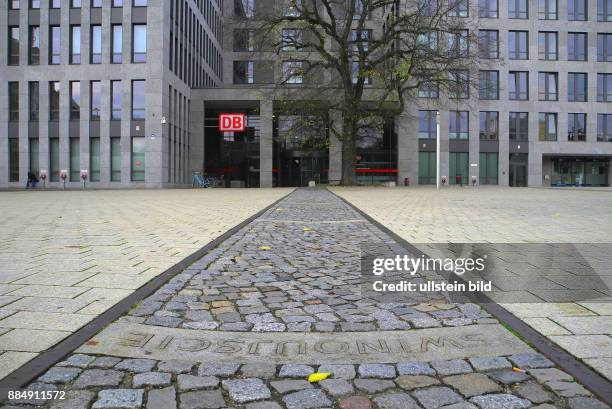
x=32 y=180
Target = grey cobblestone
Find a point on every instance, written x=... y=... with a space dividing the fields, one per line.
x=246 y=390
x=119 y=398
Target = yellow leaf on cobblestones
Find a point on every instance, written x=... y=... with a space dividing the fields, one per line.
x=318 y=376
x=265 y=248
x=515 y=369
x=307 y=229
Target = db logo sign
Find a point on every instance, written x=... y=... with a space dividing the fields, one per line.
x=232 y=122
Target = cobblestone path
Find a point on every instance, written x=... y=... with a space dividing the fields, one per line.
x=295 y=270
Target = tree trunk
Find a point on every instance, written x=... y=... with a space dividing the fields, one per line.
x=349 y=151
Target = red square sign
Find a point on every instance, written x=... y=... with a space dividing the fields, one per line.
x=232 y=122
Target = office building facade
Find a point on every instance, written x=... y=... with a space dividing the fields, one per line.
x=127 y=93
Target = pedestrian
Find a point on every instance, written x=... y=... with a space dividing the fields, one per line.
x=32 y=180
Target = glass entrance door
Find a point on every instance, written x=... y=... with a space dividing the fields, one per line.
x=458 y=167
x=518 y=170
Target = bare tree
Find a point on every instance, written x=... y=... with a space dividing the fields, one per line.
x=368 y=58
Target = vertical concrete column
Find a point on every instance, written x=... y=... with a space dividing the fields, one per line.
x=24 y=158
x=266 y=155
x=503 y=156
x=105 y=107
x=84 y=128
x=444 y=145
x=534 y=167
x=335 y=147
x=407 y=146
x=4 y=103
x=196 y=128
x=43 y=128
x=474 y=145
x=126 y=143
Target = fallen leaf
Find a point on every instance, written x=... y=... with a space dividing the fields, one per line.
x=515 y=369
x=318 y=376
x=265 y=248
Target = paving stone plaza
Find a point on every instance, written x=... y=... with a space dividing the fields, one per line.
x=280 y=299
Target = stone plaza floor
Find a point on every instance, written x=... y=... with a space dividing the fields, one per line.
x=67 y=256
x=244 y=326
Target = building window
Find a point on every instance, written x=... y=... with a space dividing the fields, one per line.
x=547 y=86
x=359 y=37
x=489 y=125
x=13 y=45
x=244 y=8
x=140 y=3
x=75 y=159
x=429 y=89
x=458 y=168
x=33 y=97
x=117 y=44
x=13 y=4
x=488 y=168
x=54 y=100
x=54 y=159
x=427 y=124
x=96 y=45
x=291 y=39
x=576 y=127
x=427 y=42
x=547 y=126
x=577 y=46
x=488 y=9
x=458 y=8
x=75 y=100
x=547 y=9
x=96 y=3
x=13 y=159
x=138 y=159
x=427 y=7
x=489 y=85
x=34 y=46
x=94 y=159
x=139 y=43
x=604 y=127
x=488 y=44
x=115 y=159
x=117 y=3
x=75 y=4
x=138 y=99
x=459 y=87
x=95 y=100
x=518 y=9
x=55 y=45
x=244 y=72
x=604 y=47
x=547 y=45
x=116 y=100
x=75 y=44
x=427 y=168
x=34 y=4
x=34 y=155
x=518 y=85
x=518 y=45
x=56 y=4
x=356 y=74
x=458 y=45
x=604 y=10
x=13 y=89
x=604 y=87
x=293 y=72
x=244 y=40
x=518 y=126
x=458 y=125
x=577 y=87
x=577 y=10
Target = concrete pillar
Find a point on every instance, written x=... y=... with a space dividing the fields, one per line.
x=335 y=148
x=474 y=149
x=407 y=146
x=534 y=167
x=503 y=158
x=265 y=143
x=196 y=128
x=444 y=145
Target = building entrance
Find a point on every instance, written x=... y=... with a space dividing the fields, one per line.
x=518 y=170
x=298 y=168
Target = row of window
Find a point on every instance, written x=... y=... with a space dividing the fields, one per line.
x=137 y=155
x=138 y=93
x=577 y=10
x=139 y=44
x=518 y=127
x=75 y=4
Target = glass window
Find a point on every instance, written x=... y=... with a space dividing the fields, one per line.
x=13 y=45
x=244 y=72
x=33 y=97
x=604 y=87
x=604 y=47
x=139 y=43
x=547 y=86
x=547 y=126
x=34 y=156
x=138 y=99
x=577 y=46
x=96 y=45
x=244 y=8
x=547 y=9
x=95 y=100
x=138 y=159
x=604 y=10
x=56 y=4
x=428 y=7
x=13 y=159
x=356 y=74
x=34 y=52
x=518 y=85
x=547 y=45
x=75 y=44
x=427 y=42
x=577 y=10
x=55 y=45
x=577 y=86
x=459 y=86
x=458 y=168
x=76 y=4
x=518 y=45
x=359 y=37
x=117 y=3
x=291 y=39
x=488 y=168
x=140 y=3
x=54 y=100
x=14 y=4
x=96 y=3
x=458 y=8
x=115 y=160
x=244 y=40
x=489 y=125
x=458 y=125
x=487 y=9
x=576 y=127
x=604 y=127
x=54 y=162
x=518 y=126
x=34 y=4
x=458 y=45
x=518 y=9
x=13 y=88
x=116 y=99
x=75 y=159
x=94 y=159
x=489 y=85
x=117 y=44
x=488 y=44
x=429 y=89
x=427 y=168
x=75 y=100
x=427 y=124
x=293 y=72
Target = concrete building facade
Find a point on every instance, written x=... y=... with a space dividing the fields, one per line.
x=129 y=91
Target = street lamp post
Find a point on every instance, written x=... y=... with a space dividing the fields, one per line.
x=438 y=150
